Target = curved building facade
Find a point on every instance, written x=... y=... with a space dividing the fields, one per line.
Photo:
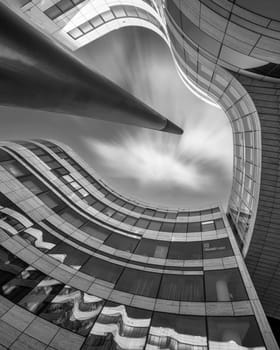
x=85 y=268
x=228 y=53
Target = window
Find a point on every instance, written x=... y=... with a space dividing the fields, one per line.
x=120 y=202
x=155 y=225
x=217 y=248
x=149 y=212
x=143 y=223
x=9 y=266
x=152 y=248
x=224 y=285
x=98 y=206
x=194 y=213
x=185 y=250
x=171 y=215
x=188 y=332
x=90 y=200
x=15 y=168
x=243 y=332
x=182 y=288
x=194 y=227
x=122 y=242
x=41 y=295
x=72 y=256
x=139 y=282
x=21 y=285
x=107 y=16
x=102 y=269
x=183 y=214
x=33 y=184
x=219 y=224
x=208 y=226
x=4 y=156
x=59 y=310
x=119 y=216
x=50 y=199
x=130 y=220
x=70 y=216
x=53 y=12
x=181 y=227
x=128 y=206
x=112 y=317
x=139 y=210
x=167 y=227
x=108 y=211
x=96 y=231
x=96 y=21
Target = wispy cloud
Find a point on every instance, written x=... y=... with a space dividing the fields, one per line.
x=198 y=163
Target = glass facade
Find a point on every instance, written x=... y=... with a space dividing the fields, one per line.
x=111 y=286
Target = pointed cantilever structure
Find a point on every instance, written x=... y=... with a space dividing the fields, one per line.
x=37 y=73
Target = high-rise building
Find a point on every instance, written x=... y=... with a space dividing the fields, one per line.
x=83 y=267
x=228 y=53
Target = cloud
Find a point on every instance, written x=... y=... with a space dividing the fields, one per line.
x=196 y=165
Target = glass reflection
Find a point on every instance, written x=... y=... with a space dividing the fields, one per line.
x=234 y=333
x=177 y=332
x=41 y=295
x=119 y=327
x=21 y=285
x=73 y=309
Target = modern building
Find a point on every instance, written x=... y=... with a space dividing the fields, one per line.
x=83 y=267
x=228 y=53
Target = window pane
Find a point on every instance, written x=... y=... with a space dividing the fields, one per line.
x=194 y=227
x=181 y=227
x=102 y=269
x=21 y=285
x=217 y=248
x=121 y=242
x=224 y=285
x=219 y=224
x=160 y=214
x=50 y=199
x=152 y=248
x=155 y=225
x=185 y=250
x=188 y=332
x=143 y=223
x=34 y=185
x=71 y=256
x=171 y=215
x=167 y=227
x=139 y=282
x=182 y=287
x=130 y=220
x=208 y=226
x=41 y=295
x=132 y=326
x=53 y=12
x=15 y=168
x=226 y=332
x=70 y=216
x=95 y=231
x=149 y=212
x=59 y=310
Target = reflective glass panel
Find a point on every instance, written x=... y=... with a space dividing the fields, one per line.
x=224 y=285
x=171 y=332
x=234 y=333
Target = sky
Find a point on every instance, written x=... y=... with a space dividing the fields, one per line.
x=188 y=171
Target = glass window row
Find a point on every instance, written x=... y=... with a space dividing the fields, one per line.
x=115 y=12
x=221 y=285
x=109 y=195
x=37 y=187
x=97 y=319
